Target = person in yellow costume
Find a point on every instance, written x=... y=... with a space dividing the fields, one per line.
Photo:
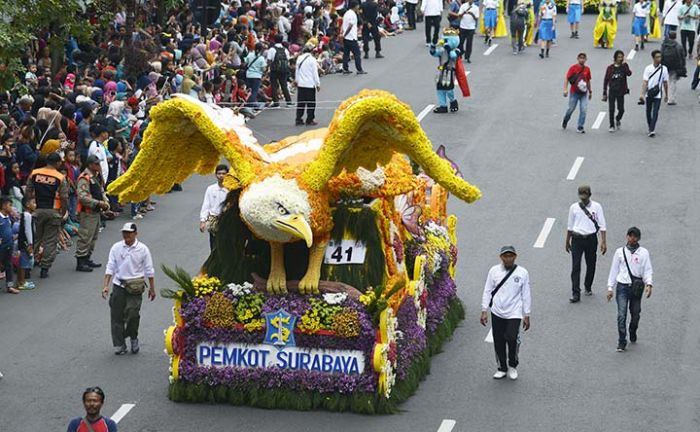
x=606 y=25
x=654 y=25
x=501 y=29
x=530 y=26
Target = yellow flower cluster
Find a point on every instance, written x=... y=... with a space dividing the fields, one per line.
x=255 y=325
x=249 y=308
x=310 y=322
x=368 y=297
x=219 y=311
x=205 y=285
x=346 y=323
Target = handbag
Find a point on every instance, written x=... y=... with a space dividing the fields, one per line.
x=135 y=286
x=637 y=282
x=500 y=284
x=654 y=91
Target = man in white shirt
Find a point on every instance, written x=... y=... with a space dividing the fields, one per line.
x=586 y=220
x=212 y=205
x=284 y=26
x=129 y=263
x=468 y=19
x=630 y=260
x=308 y=83
x=350 y=39
x=432 y=11
x=98 y=149
x=654 y=85
x=507 y=294
x=670 y=15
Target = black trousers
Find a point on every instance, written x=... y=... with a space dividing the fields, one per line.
x=434 y=23
x=619 y=100
x=583 y=246
x=6 y=261
x=348 y=47
x=411 y=13
x=505 y=335
x=279 y=80
x=306 y=99
x=688 y=36
x=466 y=38
x=374 y=32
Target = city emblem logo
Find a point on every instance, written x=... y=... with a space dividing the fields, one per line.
x=516 y=279
x=280 y=329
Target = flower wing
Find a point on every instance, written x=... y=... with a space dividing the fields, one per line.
x=185 y=136
x=367 y=130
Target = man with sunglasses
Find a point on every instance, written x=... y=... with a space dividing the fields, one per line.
x=93 y=399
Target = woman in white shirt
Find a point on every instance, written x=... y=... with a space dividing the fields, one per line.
x=639 y=25
x=548 y=17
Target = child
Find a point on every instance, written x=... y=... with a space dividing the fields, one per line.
x=26 y=244
x=7 y=242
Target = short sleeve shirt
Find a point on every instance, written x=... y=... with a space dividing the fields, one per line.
x=688 y=12
x=576 y=69
x=468 y=22
x=350 y=21
x=655 y=79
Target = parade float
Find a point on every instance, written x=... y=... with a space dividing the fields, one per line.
x=331 y=282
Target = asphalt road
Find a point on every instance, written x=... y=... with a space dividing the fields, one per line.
x=508 y=140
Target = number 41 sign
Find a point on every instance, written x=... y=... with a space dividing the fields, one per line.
x=345 y=252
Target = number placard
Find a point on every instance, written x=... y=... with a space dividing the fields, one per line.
x=345 y=252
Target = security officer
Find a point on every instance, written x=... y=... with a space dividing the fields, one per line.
x=50 y=191
x=91 y=201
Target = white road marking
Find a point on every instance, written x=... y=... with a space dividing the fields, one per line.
x=446 y=425
x=122 y=412
x=598 y=120
x=421 y=115
x=574 y=168
x=631 y=54
x=489 y=337
x=542 y=238
x=490 y=50
x=468 y=72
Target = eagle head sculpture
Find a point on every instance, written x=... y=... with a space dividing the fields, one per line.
x=287 y=187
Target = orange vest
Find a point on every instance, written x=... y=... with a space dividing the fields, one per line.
x=88 y=176
x=47 y=183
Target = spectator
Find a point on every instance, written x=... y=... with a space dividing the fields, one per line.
x=308 y=83
x=278 y=59
x=350 y=45
x=256 y=65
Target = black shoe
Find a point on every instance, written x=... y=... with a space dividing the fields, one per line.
x=620 y=347
x=588 y=292
x=541 y=55
x=366 y=56
x=120 y=350
x=361 y=72
x=633 y=337
x=575 y=299
x=44 y=273
x=581 y=131
x=299 y=122
x=379 y=55
x=573 y=35
x=454 y=106
x=346 y=72
x=83 y=266
x=618 y=124
x=440 y=110
x=563 y=124
x=469 y=61
x=576 y=35
x=642 y=44
x=636 y=47
x=311 y=123
x=92 y=263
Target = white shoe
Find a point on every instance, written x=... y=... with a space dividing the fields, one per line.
x=512 y=373
x=499 y=374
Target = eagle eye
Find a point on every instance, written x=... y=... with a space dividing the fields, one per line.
x=282 y=211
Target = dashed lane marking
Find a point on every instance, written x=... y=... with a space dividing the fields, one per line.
x=574 y=168
x=490 y=50
x=122 y=412
x=631 y=54
x=447 y=425
x=598 y=120
x=542 y=238
x=421 y=115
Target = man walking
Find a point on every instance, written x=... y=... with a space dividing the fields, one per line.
x=92 y=200
x=50 y=191
x=688 y=16
x=573 y=12
x=128 y=267
x=369 y=28
x=670 y=16
x=518 y=22
x=654 y=85
x=631 y=275
x=432 y=11
x=278 y=59
x=507 y=294
x=411 y=13
x=350 y=39
x=469 y=18
x=615 y=89
x=308 y=83
x=93 y=400
x=673 y=57
x=586 y=220
x=214 y=199
x=577 y=86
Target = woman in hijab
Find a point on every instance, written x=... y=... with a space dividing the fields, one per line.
x=198 y=54
x=110 y=92
x=120 y=121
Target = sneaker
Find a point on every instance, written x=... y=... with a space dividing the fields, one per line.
x=44 y=273
x=541 y=55
x=672 y=103
x=633 y=337
x=611 y=129
x=588 y=292
x=137 y=217
x=346 y=72
x=620 y=348
x=563 y=124
x=575 y=299
x=299 y=123
x=651 y=134
x=361 y=72
x=120 y=350
x=618 y=124
x=312 y=123
x=134 y=345
x=499 y=374
x=512 y=373
x=581 y=131
x=379 y=56
x=366 y=56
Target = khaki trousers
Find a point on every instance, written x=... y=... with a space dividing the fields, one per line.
x=125 y=315
x=48 y=224
x=87 y=234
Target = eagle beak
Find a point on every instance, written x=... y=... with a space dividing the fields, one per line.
x=297 y=226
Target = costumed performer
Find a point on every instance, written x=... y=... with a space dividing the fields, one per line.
x=640 y=13
x=606 y=25
x=548 y=17
x=654 y=23
x=531 y=26
x=450 y=67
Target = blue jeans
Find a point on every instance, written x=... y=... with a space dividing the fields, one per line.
x=669 y=28
x=254 y=86
x=582 y=100
x=653 y=105
x=444 y=96
x=626 y=300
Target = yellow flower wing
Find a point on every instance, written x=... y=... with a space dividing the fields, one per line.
x=185 y=136
x=367 y=130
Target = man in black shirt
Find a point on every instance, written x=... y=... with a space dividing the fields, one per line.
x=369 y=27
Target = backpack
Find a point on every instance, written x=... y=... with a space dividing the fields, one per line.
x=280 y=63
x=670 y=57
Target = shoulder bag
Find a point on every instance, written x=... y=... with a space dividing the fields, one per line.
x=637 y=282
x=87 y=423
x=654 y=91
x=500 y=284
x=590 y=216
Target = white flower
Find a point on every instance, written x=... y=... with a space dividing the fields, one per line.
x=371 y=180
x=240 y=290
x=334 y=298
x=436 y=230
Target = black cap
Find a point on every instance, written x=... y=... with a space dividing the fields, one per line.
x=508 y=249
x=53 y=158
x=634 y=231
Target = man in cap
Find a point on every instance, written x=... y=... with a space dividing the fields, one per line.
x=128 y=267
x=92 y=200
x=49 y=188
x=507 y=294
x=586 y=220
x=631 y=275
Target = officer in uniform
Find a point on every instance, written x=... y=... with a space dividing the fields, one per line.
x=50 y=191
x=92 y=200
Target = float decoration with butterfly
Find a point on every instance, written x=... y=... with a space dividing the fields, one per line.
x=331 y=282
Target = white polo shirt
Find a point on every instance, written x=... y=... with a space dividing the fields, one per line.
x=467 y=21
x=658 y=78
x=129 y=262
x=513 y=300
x=640 y=264
x=579 y=223
x=350 y=20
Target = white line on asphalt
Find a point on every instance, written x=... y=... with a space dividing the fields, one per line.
x=542 y=238
x=489 y=337
x=421 y=115
x=631 y=54
x=574 y=168
x=122 y=412
x=446 y=425
x=490 y=50
x=598 y=120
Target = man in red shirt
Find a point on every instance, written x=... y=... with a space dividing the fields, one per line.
x=93 y=399
x=577 y=86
